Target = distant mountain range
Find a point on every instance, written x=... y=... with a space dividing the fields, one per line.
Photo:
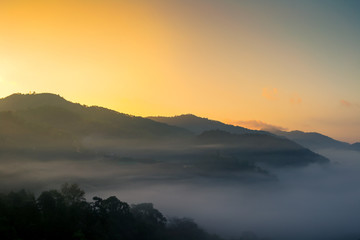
x=356 y=146
x=261 y=148
x=198 y=125
x=316 y=141
x=311 y=140
x=47 y=126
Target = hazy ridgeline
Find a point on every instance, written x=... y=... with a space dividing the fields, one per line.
x=228 y=182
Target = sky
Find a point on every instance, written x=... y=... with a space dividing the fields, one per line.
x=292 y=64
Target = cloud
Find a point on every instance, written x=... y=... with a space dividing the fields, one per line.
x=295 y=99
x=345 y=103
x=258 y=125
x=270 y=93
x=348 y=104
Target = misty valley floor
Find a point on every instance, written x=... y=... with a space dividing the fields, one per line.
x=314 y=201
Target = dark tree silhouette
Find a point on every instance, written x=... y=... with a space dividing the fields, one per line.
x=65 y=214
x=72 y=193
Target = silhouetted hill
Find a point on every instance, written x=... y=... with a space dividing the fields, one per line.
x=314 y=141
x=59 y=115
x=46 y=126
x=243 y=143
x=356 y=146
x=199 y=125
x=260 y=148
x=17 y=101
x=311 y=140
x=18 y=134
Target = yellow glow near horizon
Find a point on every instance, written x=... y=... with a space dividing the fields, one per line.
x=227 y=61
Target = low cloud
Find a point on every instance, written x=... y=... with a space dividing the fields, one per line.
x=348 y=104
x=295 y=99
x=270 y=93
x=258 y=125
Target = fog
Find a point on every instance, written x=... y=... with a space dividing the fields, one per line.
x=314 y=202
x=317 y=202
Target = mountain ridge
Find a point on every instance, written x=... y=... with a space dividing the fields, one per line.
x=311 y=140
x=199 y=124
x=315 y=140
x=47 y=126
x=37 y=107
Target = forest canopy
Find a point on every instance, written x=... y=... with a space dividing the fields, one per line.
x=65 y=214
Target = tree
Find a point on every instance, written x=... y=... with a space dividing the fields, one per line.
x=185 y=228
x=147 y=213
x=65 y=214
x=149 y=222
x=72 y=193
x=19 y=216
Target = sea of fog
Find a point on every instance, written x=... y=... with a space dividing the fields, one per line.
x=315 y=202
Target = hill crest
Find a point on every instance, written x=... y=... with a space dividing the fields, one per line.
x=199 y=124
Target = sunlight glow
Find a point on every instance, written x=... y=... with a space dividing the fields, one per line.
x=222 y=60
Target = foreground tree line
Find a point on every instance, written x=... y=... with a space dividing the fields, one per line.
x=65 y=214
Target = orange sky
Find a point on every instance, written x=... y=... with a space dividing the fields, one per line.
x=294 y=66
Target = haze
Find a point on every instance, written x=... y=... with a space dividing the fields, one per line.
x=315 y=202
x=190 y=105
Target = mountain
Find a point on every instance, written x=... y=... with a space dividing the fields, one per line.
x=57 y=114
x=243 y=143
x=355 y=146
x=311 y=140
x=198 y=125
x=315 y=141
x=260 y=148
x=47 y=126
